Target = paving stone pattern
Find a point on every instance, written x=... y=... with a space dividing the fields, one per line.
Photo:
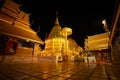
x=58 y=71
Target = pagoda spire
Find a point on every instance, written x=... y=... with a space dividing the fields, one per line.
x=56 y=22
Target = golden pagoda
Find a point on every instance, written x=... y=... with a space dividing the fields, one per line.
x=57 y=45
x=55 y=41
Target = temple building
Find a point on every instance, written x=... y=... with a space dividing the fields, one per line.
x=96 y=47
x=58 y=47
x=18 y=42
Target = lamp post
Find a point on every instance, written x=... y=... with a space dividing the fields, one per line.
x=104 y=22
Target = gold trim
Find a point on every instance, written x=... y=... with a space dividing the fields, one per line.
x=22 y=37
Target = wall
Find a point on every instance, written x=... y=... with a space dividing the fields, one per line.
x=116 y=49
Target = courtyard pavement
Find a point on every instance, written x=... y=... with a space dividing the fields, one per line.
x=58 y=71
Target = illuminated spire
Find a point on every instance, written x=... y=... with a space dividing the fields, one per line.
x=55 y=32
x=56 y=22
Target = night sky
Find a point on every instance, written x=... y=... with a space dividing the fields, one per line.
x=83 y=16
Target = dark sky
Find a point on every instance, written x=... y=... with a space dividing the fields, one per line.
x=83 y=16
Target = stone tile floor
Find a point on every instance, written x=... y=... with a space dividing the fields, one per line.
x=58 y=71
